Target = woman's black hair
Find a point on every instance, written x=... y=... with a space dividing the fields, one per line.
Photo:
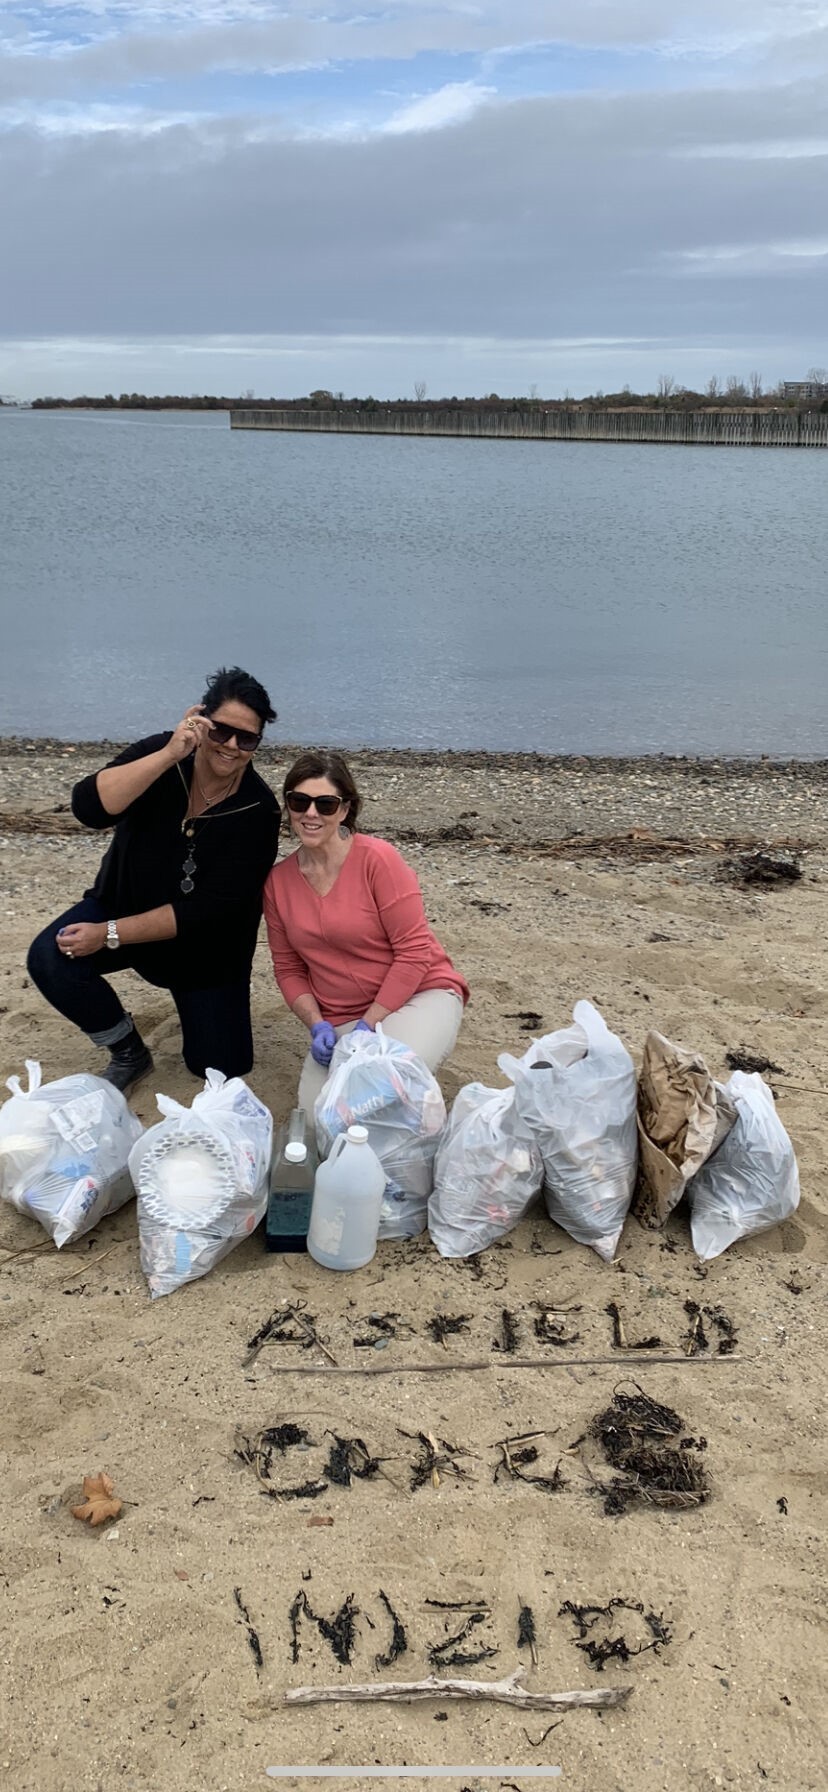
x=333 y=767
x=231 y=685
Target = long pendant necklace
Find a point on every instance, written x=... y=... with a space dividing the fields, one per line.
x=189 y=864
x=188 y=829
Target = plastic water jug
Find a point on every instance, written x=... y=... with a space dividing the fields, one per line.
x=291 y=1185
x=347 y=1197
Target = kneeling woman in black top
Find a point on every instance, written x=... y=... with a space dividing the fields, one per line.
x=178 y=897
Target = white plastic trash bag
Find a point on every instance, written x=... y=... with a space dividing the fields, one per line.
x=487 y=1172
x=576 y=1092
x=752 y=1181
x=201 y=1175
x=376 y=1082
x=64 y=1149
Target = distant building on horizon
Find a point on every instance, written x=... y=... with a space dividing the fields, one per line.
x=809 y=391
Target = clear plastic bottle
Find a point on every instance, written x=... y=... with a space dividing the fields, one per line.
x=291 y=1185
x=347 y=1198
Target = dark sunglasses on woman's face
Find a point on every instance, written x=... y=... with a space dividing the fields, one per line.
x=244 y=739
x=299 y=803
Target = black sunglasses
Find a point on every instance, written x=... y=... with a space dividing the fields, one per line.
x=299 y=803
x=246 y=741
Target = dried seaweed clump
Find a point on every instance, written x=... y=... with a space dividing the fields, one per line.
x=527 y=1636
x=447 y=1655
x=750 y=1062
x=399 y=1639
x=600 y=1650
x=619 y=1336
x=288 y=1325
x=447 y=1325
x=642 y=1440
x=385 y=1327
x=251 y=1632
x=349 y=1457
x=435 y=1459
x=766 y=869
x=697 y=1339
x=509 y=1333
x=339 y=1631
x=547 y=1328
x=258 y=1453
x=516 y=1453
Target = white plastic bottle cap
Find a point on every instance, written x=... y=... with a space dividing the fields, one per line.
x=358 y=1135
x=296 y=1152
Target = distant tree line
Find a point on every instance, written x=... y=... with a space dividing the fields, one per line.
x=141 y=401
x=670 y=394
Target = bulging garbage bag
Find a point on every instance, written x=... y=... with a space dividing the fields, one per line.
x=201 y=1175
x=575 y=1090
x=752 y=1181
x=377 y=1082
x=487 y=1172
x=64 y=1149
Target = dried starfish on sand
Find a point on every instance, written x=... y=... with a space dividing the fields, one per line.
x=99 y=1500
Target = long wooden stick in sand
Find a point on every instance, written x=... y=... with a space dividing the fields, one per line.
x=503 y=1692
x=621 y=1362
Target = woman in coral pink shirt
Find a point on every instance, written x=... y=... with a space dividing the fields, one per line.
x=348 y=934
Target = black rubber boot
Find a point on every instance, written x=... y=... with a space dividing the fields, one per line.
x=131 y=1059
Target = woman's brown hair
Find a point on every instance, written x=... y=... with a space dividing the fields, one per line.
x=333 y=767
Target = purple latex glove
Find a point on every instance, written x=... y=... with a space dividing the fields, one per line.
x=323 y=1040
x=363 y=1026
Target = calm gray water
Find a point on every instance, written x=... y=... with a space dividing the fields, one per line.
x=569 y=598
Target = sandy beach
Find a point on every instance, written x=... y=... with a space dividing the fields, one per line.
x=129 y=1649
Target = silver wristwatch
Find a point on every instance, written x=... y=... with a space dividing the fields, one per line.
x=112 y=939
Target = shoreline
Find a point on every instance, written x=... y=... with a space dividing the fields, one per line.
x=482 y=802
x=16 y=746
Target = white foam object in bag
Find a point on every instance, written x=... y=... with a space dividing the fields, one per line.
x=752 y=1181
x=487 y=1172
x=377 y=1082
x=201 y=1176
x=64 y=1149
x=576 y=1092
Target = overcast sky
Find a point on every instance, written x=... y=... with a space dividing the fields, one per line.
x=216 y=195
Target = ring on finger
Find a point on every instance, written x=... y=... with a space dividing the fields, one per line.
x=69 y=952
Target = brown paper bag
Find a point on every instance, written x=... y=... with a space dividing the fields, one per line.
x=683 y=1115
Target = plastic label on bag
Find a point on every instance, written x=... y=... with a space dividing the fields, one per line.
x=77 y=1120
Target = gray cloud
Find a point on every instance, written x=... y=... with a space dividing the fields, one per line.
x=538 y=218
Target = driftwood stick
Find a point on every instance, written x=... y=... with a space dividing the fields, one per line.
x=503 y=1692
x=515 y=1362
x=25 y=1250
x=312 y=1334
x=90 y=1264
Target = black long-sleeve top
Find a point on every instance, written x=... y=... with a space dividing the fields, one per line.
x=234 y=846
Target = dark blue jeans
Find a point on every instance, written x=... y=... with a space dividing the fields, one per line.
x=215 y=1023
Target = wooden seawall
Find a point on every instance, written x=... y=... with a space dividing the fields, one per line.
x=714 y=429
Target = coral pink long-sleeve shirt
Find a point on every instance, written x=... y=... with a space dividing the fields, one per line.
x=366 y=941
